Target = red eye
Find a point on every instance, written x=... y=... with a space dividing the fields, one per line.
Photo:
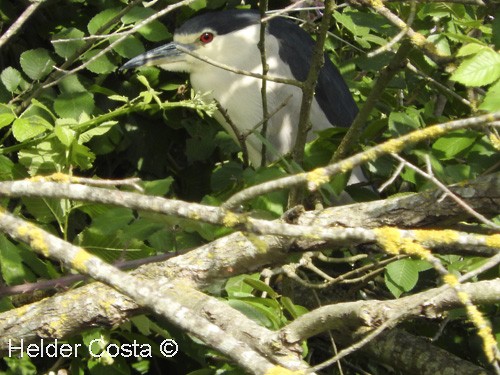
x=206 y=37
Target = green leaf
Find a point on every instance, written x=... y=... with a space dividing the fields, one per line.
x=36 y=63
x=226 y=176
x=198 y=4
x=71 y=84
x=441 y=43
x=118 y=98
x=137 y=14
x=154 y=31
x=66 y=48
x=6 y=168
x=401 y=276
x=11 y=265
x=400 y=123
x=491 y=101
x=158 y=187
x=44 y=158
x=236 y=287
x=261 y=286
x=64 y=134
x=11 y=78
x=6 y=115
x=101 y=19
x=294 y=310
x=255 y=311
x=101 y=65
x=72 y=105
x=129 y=47
x=47 y=210
x=112 y=220
x=25 y=128
x=471 y=49
x=81 y=156
x=479 y=70
x=98 y=130
x=452 y=144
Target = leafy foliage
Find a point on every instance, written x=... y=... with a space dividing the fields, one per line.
x=103 y=123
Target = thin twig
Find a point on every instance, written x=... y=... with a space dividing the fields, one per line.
x=400 y=35
x=141 y=24
x=239 y=136
x=322 y=175
x=66 y=281
x=217 y=64
x=490 y=263
x=265 y=69
x=430 y=176
x=439 y=85
x=418 y=39
x=351 y=138
x=393 y=177
x=21 y=20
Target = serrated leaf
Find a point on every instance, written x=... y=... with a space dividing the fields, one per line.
x=72 y=105
x=25 y=128
x=129 y=47
x=6 y=168
x=401 y=123
x=491 y=101
x=68 y=41
x=64 y=134
x=11 y=78
x=81 y=156
x=155 y=32
x=101 y=65
x=43 y=158
x=6 y=115
x=98 y=130
x=452 y=144
x=36 y=63
x=118 y=98
x=100 y=19
x=479 y=70
x=71 y=84
x=11 y=263
x=137 y=14
x=441 y=43
x=471 y=49
x=47 y=210
x=401 y=276
x=158 y=187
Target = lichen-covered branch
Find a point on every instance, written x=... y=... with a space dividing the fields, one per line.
x=321 y=175
x=145 y=293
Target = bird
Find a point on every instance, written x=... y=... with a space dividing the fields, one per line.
x=231 y=37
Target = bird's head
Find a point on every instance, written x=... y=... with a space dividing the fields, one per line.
x=224 y=37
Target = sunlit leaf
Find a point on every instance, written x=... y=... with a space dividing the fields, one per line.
x=36 y=63
x=479 y=70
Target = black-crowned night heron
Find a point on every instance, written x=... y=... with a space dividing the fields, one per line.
x=231 y=37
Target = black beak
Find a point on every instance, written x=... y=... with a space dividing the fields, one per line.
x=162 y=55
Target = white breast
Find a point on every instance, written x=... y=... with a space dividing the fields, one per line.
x=241 y=95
